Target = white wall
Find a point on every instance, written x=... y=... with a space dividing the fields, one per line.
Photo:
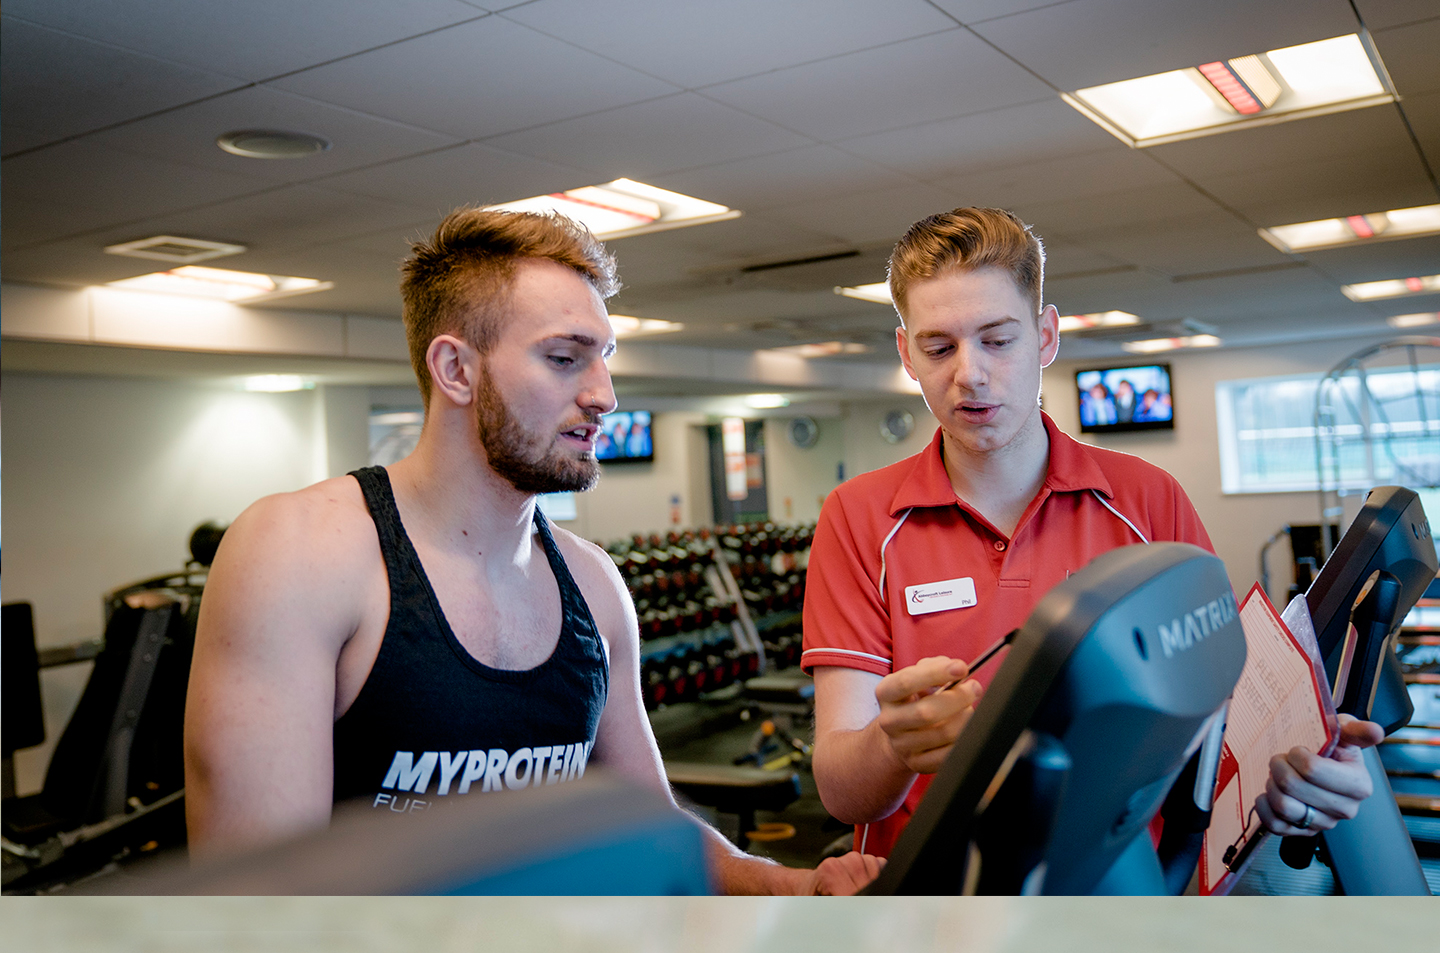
x=798 y=479
x=106 y=478
x=635 y=497
x=1238 y=523
x=866 y=450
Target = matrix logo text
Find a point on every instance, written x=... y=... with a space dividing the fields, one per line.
x=1196 y=625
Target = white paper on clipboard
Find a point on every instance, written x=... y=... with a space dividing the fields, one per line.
x=1282 y=700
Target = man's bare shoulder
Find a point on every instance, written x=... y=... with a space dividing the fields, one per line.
x=321 y=531
x=594 y=572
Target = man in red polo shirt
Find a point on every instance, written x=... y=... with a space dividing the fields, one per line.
x=919 y=566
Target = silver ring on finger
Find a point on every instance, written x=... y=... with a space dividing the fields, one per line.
x=1307 y=819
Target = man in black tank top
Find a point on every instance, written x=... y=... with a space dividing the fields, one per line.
x=409 y=634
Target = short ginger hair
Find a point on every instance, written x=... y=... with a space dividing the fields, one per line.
x=965 y=239
x=459 y=281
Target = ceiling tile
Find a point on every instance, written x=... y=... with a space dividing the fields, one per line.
x=1376 y=129
x=1075 y=176
x=498 y=76
x=1404 y=258
x=1188 y=246
x=1080 y=217
x=1379 y=14
x=62 y=85
x=465 y=175
x=1412 y=56
x=255 y=39
x=880 y=216
x=1046 y=129
x=72 y=261
x=696 y=44
x=1423 y=114
x=77 y=187
x=902 y=84
x=188 y=135
x=282 y=219
x=364 y=283
x=1369 y=181
x=664 y=135
x=780 y=178
x=1086 y=42
x=978 y=11
x=17 y=138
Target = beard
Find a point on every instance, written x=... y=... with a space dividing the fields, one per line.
x=524 y=459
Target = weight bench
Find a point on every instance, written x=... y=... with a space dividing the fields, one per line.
x=732 y=790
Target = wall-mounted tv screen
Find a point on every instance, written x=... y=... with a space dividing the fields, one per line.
x=625 y=437
x=1125 y=398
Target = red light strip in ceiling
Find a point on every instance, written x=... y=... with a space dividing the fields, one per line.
x=1229 y=85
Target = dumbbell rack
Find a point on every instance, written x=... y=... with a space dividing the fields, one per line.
x=1412 y=755
x=715 y=605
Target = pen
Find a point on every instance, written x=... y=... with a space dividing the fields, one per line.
x=986 y=656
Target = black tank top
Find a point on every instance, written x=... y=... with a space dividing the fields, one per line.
x=433 y=722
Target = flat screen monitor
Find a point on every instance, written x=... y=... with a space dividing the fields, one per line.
x=1115 y=684
x=1125 y=398
x=625 y=437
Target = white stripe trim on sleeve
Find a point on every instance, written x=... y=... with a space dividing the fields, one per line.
x=864 y=655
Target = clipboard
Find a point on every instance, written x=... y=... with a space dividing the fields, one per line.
x=1281 y=700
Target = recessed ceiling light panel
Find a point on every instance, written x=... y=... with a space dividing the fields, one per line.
x=879 y=292
x=624 y=207
x=276 y=383
x=626 y=326
x=1393 y=288
x=1354 y=229
x=271 y=144
x=1070 y=323
x=239 y=287
x=172 y=248
x=1311 y=79
x=1413 y=320
x=823 y=349
x=1155 y=345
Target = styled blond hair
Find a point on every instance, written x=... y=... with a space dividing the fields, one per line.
x=459 y=281
x=965 y=239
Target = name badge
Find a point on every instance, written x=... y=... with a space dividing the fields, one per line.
x=939 y=596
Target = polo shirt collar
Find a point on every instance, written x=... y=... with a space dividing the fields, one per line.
x=1071 y=469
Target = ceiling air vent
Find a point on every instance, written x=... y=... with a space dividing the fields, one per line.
x=181 y=251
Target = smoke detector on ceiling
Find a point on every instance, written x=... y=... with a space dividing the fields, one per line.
x=271 y=144
x=182 y=251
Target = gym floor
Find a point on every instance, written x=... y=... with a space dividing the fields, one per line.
x=716 y=730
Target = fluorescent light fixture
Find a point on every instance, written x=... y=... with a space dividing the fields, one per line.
x=173 y=248
x=626 y=326
x=1312 y=79
x=277 y=383
x=240 y=287
x=1393 y=288
x=767 y=401
x=398 y=418
x=1100 y=319
x=1353 y=229
x=1413 y=320
x=624 y=207
x=879 y=292
x=823 y=349
x=1155 y=345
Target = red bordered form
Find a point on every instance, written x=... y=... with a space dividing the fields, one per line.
x=1282 y=700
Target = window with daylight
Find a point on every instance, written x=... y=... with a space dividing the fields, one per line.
x=1379 y=428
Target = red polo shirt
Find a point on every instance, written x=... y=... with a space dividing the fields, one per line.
x=906 y=523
